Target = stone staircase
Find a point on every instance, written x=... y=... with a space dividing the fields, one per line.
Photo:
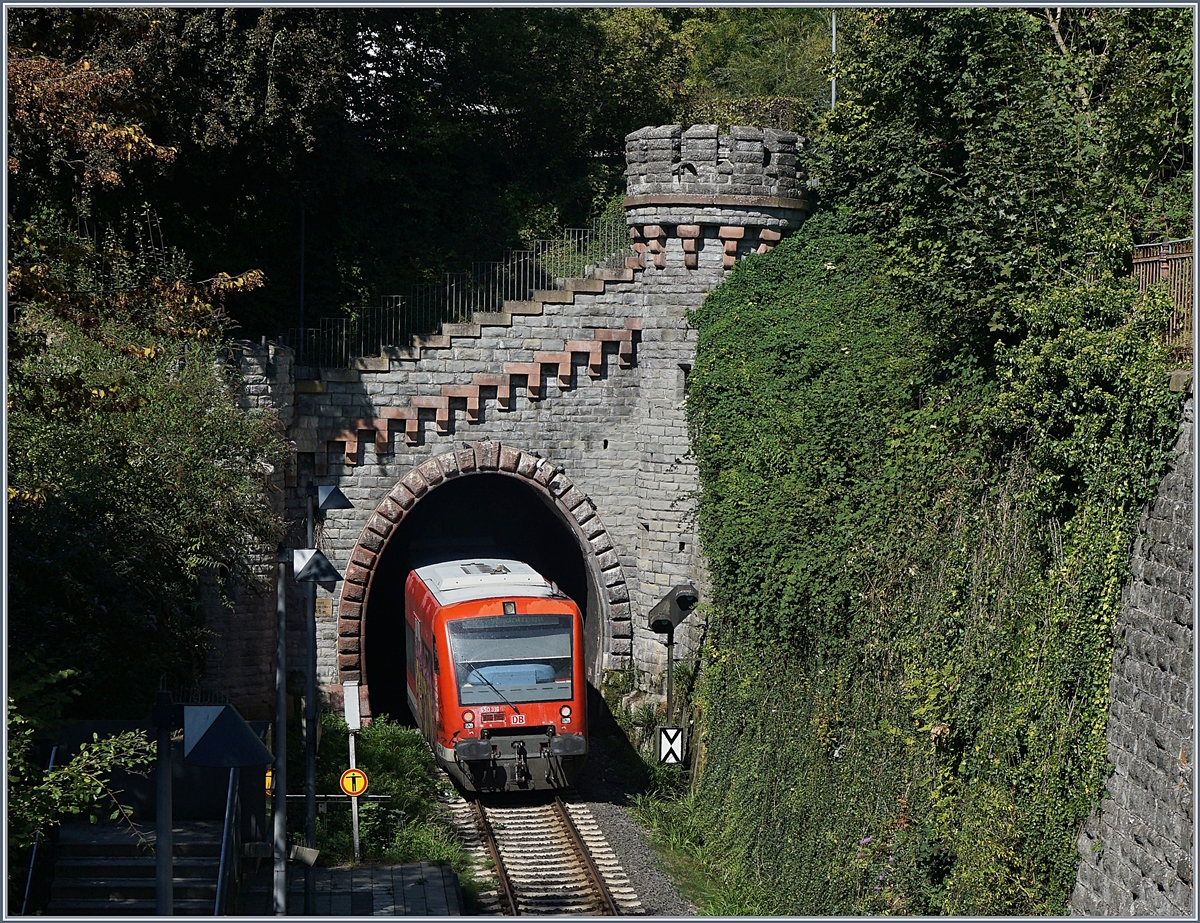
x=592 y=341
x=104 y=869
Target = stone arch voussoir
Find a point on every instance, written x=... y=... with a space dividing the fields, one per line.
x=542 y=476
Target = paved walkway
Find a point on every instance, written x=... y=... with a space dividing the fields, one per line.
x=416 y=889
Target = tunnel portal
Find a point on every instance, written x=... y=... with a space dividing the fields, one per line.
x=483 y=515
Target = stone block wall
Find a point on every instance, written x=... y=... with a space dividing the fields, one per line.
x=556 y=376
x=267 y=383
x=241 y=659
x=590 y=377
x=1136 y=850
x=677 y=277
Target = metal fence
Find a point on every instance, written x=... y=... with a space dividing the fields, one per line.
x=422 y=309
x=1170 y=262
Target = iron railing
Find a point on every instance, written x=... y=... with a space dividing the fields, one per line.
x=542 y=265
x=231 y=845
x=33 y=853
x=1170 y=262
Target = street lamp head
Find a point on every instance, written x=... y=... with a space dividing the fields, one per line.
x=329 y=497
x=310 y=566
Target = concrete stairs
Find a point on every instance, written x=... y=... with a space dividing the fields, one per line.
x=591 y=342
x=103 y=869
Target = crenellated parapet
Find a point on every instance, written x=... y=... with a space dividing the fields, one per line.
x=696 y=184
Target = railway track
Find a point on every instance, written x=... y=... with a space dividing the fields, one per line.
x=548 y=858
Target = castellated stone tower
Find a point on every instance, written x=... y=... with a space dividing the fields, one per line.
x=697 y=201
x=700 y=179
x=552 y=425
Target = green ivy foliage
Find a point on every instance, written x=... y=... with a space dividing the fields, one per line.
x=916 y=569
x=809 y=406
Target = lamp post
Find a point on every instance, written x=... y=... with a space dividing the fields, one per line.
x=279 y=797
x=164 y=844
x=833 y=62
x=310 y=567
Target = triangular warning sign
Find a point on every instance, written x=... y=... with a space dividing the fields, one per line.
x=310 y=566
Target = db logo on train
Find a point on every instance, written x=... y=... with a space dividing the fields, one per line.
x=353 y=782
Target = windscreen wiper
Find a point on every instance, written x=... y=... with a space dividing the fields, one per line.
x=477 y=672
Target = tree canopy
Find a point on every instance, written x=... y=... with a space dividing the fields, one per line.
x=415 y=139
x=995 y=149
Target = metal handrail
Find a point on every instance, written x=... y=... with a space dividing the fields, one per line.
x=229 y=834
x=1162 y=243
x=36 y=837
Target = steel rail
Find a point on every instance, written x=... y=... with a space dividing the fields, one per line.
x=589 y=863
x=489 y=836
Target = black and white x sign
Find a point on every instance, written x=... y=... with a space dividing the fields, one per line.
x=670 y=745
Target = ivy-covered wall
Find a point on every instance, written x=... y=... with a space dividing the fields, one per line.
x=917 y=565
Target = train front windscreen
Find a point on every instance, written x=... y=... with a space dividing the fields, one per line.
x=511 y=658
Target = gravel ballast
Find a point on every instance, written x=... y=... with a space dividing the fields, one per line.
x=604 y=788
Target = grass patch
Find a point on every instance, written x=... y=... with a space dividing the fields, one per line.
x=408 y=827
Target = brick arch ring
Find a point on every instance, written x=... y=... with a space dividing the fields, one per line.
x=607 y=591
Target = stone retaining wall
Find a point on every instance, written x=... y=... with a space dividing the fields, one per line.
x=1136 y=851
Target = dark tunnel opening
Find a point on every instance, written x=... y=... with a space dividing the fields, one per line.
x=481 y=515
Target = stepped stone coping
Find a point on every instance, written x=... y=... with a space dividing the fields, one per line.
x=554 y=296
x=575 y=508
x=614 y=275
x=473 y=329
x=402 y=353
x=523 y=307
x=625 y=338
x=588 y=286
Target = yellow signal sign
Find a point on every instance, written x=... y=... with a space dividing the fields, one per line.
x=353 y=782
x=270 y=780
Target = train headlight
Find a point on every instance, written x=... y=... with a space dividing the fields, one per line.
x=565 y=711
x=468 y=716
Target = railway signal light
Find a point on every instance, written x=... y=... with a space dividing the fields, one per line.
x=673 y=608
x=666 y=614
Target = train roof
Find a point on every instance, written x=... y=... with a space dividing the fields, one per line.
x=480 y=578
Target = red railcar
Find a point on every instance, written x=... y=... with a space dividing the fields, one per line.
x=495 y=674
